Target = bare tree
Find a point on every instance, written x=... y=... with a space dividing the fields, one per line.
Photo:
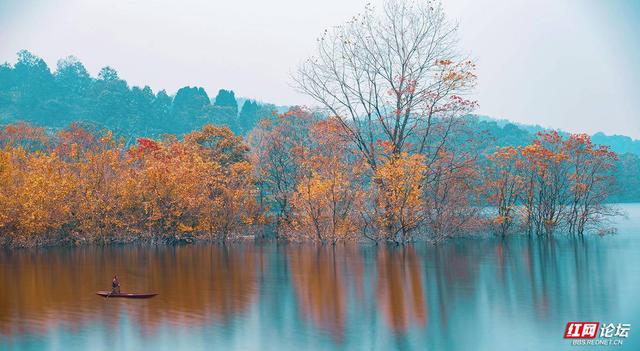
x=391 y=78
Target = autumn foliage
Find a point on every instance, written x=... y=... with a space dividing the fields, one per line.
x=389 y=158
x=78 y=186
x=299 y=177
x=553 y=183
x=324 y=188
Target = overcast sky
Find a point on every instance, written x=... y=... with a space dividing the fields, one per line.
x=569 y=64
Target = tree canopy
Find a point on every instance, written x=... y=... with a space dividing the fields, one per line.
x=31 y=91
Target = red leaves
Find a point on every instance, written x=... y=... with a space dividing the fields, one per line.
x=147 y=145
x=94 y=189
x=25 y=136
x=551 y=174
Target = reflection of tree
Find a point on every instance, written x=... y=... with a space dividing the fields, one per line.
x=43 y=289
x=557 y=276
x=443 y=286
x=454 y=267
x=399 y=292
x=318 y=278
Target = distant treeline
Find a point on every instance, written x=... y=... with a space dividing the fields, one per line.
x=30 y=91
x=626 y=170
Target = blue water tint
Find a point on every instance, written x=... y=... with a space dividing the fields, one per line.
x=466 y=294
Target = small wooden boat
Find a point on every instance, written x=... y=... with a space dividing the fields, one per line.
x=128 y=295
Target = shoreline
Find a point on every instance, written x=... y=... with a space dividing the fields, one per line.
x=143 y=242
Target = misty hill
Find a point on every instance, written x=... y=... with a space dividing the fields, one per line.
x=31 y=91
x=627 y=170
x=619 y=143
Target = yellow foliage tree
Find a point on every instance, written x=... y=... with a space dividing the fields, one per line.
x=327 y=196
x=397 y=196
x=82 y=186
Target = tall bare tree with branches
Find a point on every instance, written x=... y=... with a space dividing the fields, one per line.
x=392 y=78
x=396 y=83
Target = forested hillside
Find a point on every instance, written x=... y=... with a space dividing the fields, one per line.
x=30 y=91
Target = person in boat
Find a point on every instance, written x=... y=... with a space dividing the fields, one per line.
x=115 y=285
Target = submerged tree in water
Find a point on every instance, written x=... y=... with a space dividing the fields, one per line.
x=553 y=183
x=81 y=186
x=395 y=82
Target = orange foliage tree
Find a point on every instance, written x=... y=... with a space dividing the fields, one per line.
x=451 y=194
x=277 y=149
x=590 y=182
x=504 y=186
x=327 y=196
x=554 y=182
x=397 y=196
x=397 y=103
x=80 y=186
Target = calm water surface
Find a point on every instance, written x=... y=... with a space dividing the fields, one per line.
x=516 y=294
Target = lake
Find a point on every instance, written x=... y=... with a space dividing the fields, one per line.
x=465 y=294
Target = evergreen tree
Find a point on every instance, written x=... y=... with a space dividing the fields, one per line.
x=225 y=110
x=227 y=98
x=112 y=101
x=34 y=83
x=72 y=93
x=248 y=116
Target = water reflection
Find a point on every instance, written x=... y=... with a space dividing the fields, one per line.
x=319 y=297
x=319 y=281
x=399 y=291
x=197 y=285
